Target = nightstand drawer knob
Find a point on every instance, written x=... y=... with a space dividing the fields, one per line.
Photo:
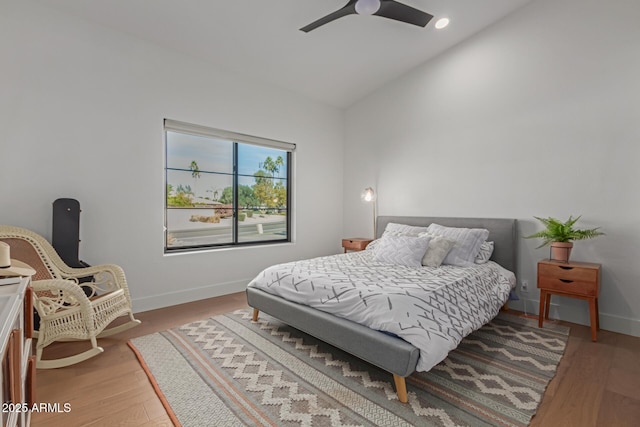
x=566 y=268
x=566 y=281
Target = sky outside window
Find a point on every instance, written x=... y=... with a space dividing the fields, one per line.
x=201 y=205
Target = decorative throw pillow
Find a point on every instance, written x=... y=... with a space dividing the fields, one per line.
x=372 y=246
x=438 y=249
x=403 y=229
x=401 y=250
x=486 y=250
x=468 y=241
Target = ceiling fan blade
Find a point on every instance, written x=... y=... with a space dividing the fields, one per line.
x=401 y=12
x=348 y=9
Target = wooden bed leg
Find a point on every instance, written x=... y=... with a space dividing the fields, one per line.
x=255 y=314
x=401 y=388
x=505 y=307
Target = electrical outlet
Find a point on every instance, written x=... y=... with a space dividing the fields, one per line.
x=524 y=286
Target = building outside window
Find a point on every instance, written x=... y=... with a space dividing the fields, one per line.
x=224 y=188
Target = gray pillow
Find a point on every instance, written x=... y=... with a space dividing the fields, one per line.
x=484 y=255
x=468 y=241
x=401 y=250
x=438 y=249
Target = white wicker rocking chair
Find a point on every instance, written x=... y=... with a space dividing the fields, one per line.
x=66 y=312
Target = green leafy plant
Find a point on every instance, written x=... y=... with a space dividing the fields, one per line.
x=558 y=231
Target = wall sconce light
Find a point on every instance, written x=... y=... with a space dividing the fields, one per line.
x=369 y=196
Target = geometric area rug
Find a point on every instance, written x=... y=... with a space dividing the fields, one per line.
x=230 y=371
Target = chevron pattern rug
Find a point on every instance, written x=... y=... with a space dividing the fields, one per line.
x=230 y=371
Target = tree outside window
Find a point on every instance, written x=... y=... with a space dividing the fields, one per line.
x=222 y=192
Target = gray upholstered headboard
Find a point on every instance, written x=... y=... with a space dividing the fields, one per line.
x=503 y=231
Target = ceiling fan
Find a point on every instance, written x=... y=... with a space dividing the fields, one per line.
x=386 y=8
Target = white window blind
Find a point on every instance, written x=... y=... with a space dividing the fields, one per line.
x=173 y=125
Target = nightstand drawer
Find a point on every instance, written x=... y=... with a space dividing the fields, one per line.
x=575 y=287
x=568 y=272
x=355 y=244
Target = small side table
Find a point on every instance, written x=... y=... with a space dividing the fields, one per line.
x=355 y=244
x=570 y=279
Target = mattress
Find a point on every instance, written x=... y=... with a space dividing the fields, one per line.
x=431 y=308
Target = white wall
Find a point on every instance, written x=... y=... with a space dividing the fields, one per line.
x=81 y=110
x=537 y=115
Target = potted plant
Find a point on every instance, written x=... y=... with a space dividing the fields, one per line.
x=560 y=236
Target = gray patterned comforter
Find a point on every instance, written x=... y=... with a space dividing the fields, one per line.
x=431 y=308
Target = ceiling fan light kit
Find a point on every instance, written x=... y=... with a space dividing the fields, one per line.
x=390 y=9
x=442 y=23
x=367 y=7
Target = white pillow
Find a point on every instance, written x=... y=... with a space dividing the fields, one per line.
x=468 y=241
x=486 y=250
x=401 y=250
x=403 y=229
x=438 y=249
x=372 y=246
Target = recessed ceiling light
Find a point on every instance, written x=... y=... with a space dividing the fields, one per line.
x=441 y=23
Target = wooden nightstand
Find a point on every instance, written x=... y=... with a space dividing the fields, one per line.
x=355 y=244
x=570 y=279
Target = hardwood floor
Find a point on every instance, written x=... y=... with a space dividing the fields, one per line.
x=111 y=389
x=597 y=384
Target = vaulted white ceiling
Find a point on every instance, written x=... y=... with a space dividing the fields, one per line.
x=337 y=64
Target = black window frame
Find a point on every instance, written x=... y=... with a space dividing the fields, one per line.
x=236 y=139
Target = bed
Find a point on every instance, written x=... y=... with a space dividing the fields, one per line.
x=381 y=348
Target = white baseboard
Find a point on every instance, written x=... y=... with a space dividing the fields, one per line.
x=188 y=295
x=609 y=322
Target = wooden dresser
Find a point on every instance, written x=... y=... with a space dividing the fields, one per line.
x=18 y=365
x=570 y=279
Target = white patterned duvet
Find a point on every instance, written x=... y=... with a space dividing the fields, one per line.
x=431 y=308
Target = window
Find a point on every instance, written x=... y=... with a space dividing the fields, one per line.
x=224 y=189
